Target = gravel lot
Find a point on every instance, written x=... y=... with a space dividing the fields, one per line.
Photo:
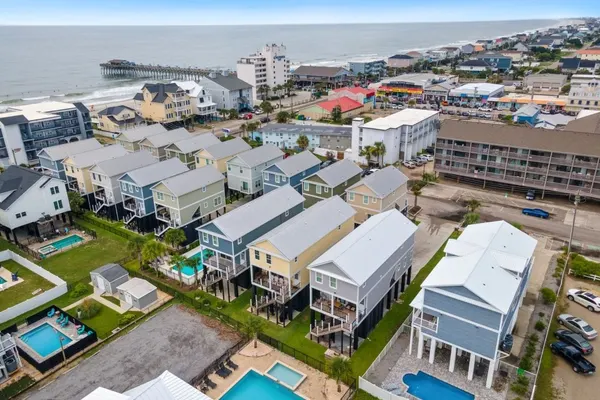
x=175 y=339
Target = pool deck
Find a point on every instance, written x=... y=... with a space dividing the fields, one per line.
x=316 y=386
x=7 y=276
x=86 y=238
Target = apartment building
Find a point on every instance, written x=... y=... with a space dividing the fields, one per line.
x=51 y=157
x=267 y=67
x=164 y=102
x=585 y=96
x=520 y=158
x=27 y=129
x=539 y=83
x=368 y=67
x=285 y=136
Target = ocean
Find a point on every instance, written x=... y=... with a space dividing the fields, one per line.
x=61 y=63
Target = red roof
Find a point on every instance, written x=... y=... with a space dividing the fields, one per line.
x=346 y=103
x=357 y=90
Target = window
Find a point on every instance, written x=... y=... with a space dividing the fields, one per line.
x=229 y=168
x=58 y=204
x=93 y=177
x=203 y=189
x=365 y=199
x=269 y=259
x=239 y=241
x=296 y=260
x=205 y=237
x=55 y=190
x=241 y=170
x=306 y=186
x=206 y=204
x=326 y=189
x=172 y=198
x=218 y=201
x=137 y=189
x=276 y=178
x=287 y=213
x=256 y=255
x=160 y=196
x=215 y=241
x=319 y=277
x=339 y=227
x=283 y=179
x=351 y=196
x=23 y=214
x=318 y=189
x=18 y=215
x=131 y=189
x=267 y=177
x=332 y=282
x=374 y=200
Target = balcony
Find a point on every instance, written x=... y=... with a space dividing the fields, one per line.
x=519 y=156
x=131 y=204
x=562 y=174
x=164 y=214
x=515 y=167
x=538 y=158
x=343 y=310
x=73 y=185
x=425 y=321
x=541 y=170
x=474 y=161
x=102 y=197
x=225 y=265
x=512 y=178
x=275 y=283
x=582 y=163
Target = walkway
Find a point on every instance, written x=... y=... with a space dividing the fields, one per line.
x=100 y=300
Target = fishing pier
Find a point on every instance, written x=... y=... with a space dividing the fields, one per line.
x=124 y=68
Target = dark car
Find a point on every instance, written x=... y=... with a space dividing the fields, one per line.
x=536 y=212
x=573 y=357
x=264 y=120
x=464 y=113
x=451 y=112
x=575 y=340
x=530 y=195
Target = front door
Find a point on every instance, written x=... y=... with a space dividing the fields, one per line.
x=128 y=299
x=244 y=186
x=101 y=284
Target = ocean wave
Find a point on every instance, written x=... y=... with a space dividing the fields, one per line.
x=38 y=98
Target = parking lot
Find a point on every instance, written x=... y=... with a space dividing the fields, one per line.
x=175 y=339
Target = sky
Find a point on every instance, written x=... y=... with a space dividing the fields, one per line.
x=259 y=12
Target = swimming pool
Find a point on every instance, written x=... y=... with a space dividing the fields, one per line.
x=44 y=340
x=285 y=374
x=60 y=244
x=253 y=385
x=2 y=280
x=427 y=387
x=189 y=271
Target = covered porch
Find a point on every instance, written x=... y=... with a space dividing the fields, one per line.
x=281 y=288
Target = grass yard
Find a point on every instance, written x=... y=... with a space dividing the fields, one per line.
x=362 y=395
x=21 y=291
x=105 y=321
x=112 y=299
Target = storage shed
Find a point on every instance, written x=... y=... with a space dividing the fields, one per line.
x=137 y=293
x=107 y=278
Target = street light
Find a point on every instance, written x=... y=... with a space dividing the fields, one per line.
x=576 y=203
x=62 y=349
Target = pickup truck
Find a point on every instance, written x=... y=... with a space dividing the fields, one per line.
x=536 y=212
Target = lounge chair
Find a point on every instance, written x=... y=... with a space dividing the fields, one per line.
x=81 y=330
x=223 y=372
x=65 y=322
x=51 y=313
x=210 y=383
x=60 y=319
x=232 y=365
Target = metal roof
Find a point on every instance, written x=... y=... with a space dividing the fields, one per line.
x=298 y=234
x=256 y=156
x=141 y=132
x=156 y=172
x=296 y=163
x=110 y=272
x=383 y=182
x=195 y=143
x=308 y=129
x=229 y=82
x=115 y=110
x=408 y=116
x=227 y=148
x=119 y=165
x=194 y=179
x=338 y=172
x=360 y=254
x=166 y=138
x=15 y=181
x=166 y=387
x=88 y=158
x=242 y=220
x=62 y=151
x=137 y=287
x=325 y=72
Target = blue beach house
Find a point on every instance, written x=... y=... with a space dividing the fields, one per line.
x=528 y=114
x=497 y=61
x=469 y=303
x=290 y=171
x=226 y=238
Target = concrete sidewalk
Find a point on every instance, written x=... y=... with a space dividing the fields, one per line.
x=100 y=300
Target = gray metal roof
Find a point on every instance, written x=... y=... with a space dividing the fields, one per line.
x=229 y=82
x=298 y=234
x=120 y=165
x=81 y=107
x=111 y=272
x=195 y=143
x=324 y=72
x=141 y=132
x=383 y=182
x=297 y=163
x=192 y=180
x=528 y=110
x=256 y=156
x=308 y=129
x=114 y=110
x=228 y=148
x=338 y=172
x=88 y=158
x=62 y=151
x=156 y=172
x=160 y=90
x=166 y=138
x=13 y=120
x=242 y=220
x=17 y=180
x=139 y=96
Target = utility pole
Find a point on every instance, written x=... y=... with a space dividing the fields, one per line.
x=576 y=203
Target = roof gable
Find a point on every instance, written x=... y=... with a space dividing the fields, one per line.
x=345 y=103
x=338 y=173
x=383 y=182
x=190 y=181
x=16 y=181
x=224 y=149
x=128 y=162
x=141 y=132
x=297 y=163
x=257 y=156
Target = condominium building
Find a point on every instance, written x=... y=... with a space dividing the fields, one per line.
x=268 y=66
x=229 y=92
x=519 y=158
x=164 y=102
x=584 y=96
x=368 y=67
x=27 y=129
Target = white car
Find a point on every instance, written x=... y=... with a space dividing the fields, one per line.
x=587 y=299
x=409 y=165
x=428 y=157
x=484 y=109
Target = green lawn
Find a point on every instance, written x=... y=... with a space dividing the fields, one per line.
x=362 y=395
x=105 y=321
x=119 y=225
x=112 y=300
x=21 y=291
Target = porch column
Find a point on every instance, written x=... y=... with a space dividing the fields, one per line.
x=410 y=344
x=452 y=359
x=402 y=282
x=432 y=347
x=408 y=274
x=490 y=375
x=396 y=285
x=471 y=367
x=420 y=346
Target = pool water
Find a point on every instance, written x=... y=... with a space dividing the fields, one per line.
x=285 y=374
x=427 y=387
x=2 y=280
x=44 y=339
x=189 y=271
x=61 y=244
x=256 y=386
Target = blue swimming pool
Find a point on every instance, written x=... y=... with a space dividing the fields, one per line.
x=44 y=339
x=2 y=280
x=285 y=374
x=189 y=271
x=60 y=244
x=256 y=386
x=427 y=387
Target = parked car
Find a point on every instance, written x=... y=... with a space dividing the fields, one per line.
x=326 y=163
x=536 y=212
x=451 y=112
x=418 y=162
x=464 y=113
x=587 y=299
x=575 y=340
x=422 y=158
x=574 y=357
x=264 y=120
x=428 y=157
x=577 y=325
x=409 y=164
x=530 y=195
x=247 y=116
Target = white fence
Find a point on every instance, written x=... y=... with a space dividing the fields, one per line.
x=388 y=346
x=587 y=276
x=376 y=391
x=34 y=302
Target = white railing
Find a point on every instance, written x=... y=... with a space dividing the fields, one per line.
x=378 y=392
x=423 y=323
x=389 y=345
x=587 y=276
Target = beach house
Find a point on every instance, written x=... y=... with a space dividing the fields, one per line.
x=285 y=136
x=330 y=181
x=218 y=154
x=164 y=102
x=51 y=157
x=186 y=149
x=244 y=171
x=118 y=118
x=130 y=139
x=186 y=200
x=355 y=281
x=279 y=257
x=228 y=91
x=138 y=202
x=290 y=171
x=470 y=301
x=10 y=360
x=156 y=144
x=226 y=238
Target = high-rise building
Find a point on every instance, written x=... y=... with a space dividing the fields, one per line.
x=268 y=66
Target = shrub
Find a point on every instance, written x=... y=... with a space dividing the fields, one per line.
x=525 y=364
x=534 y=337
x=221 y=304
x=206 y=302
x=126 y=319
x=540 y=326
x=89 y=308
x=548 y=295
x=522 y=380
x=519 y=389
x=541 y=314
x=79 y=290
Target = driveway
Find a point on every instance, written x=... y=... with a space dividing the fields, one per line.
x=431 y=234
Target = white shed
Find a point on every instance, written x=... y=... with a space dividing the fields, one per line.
x=137 y=293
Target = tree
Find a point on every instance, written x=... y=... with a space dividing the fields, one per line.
x=429 y=177
x=152 y=250
x=302 y=142
x=233 y=113
x=386 y=102
x=277 y=89
x=340 y=368
x=470 y=219
x=379 y=150
x=223 y=113
x=283 y=117
x=367 y=153
x=473 y=205
x=135 y=246
x=416 y=191
x=253 y=328
x=192 y=263
x=289 y=86
x=412 y=102
x=244 y=129
x=175 y=237
x=264 y=89
x=267 y=107
x=76 y=201
x=565 y=89
x=336 y=114
x=179 y=261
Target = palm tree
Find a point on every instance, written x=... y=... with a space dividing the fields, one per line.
x=277 y=90
x=135 y=246
x=192 y=263
x=340 y=368
x=267 y=108
x=175 y=237
x=303 y=142
x=379 y=149
x=264 y=89
x=244 y=129
x=223 y=113
x=289 y=86
x=253 y=328
x=367 y=153
x=152 y=250
x=416 y=191
x=470 y=218
x=386 y=102
x=283 y=117
x=473 y=205
x=233 y=113
x=179 y=261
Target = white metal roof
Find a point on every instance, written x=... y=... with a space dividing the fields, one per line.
x=256 y=156
x=485 y=259
x=227 y=148
x=367 y=247
x=482 y=88
x=157 y=171
x=105 y=394
x=62 y=151
x=189 y=181
x=166 y=138
x=166 y=387
x=119 y=165
x=408 y=116
x=137 y=287
x=383 y=182
x=298 y=234
x=88 y=158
